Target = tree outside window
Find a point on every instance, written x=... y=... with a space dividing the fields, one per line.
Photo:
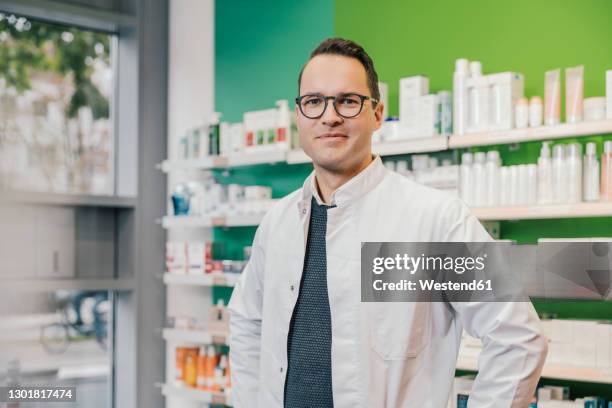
x=56 y=84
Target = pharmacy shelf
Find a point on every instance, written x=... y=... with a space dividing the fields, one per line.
x=248 y=158
x=416 y=145
x=194 y=394
x=407 y=146
x=528 y=212
x=555 y=371
x=194 y=336
x=189 y=221
x=205 y=163
x=211 y=279
x=257 y=156
x=531 y=134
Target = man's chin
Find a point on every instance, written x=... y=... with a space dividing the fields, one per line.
x=328 y=162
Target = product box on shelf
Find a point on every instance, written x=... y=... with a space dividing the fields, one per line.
x=269 y=128
x=411 y=89
x=191 y=257
x=383 y=89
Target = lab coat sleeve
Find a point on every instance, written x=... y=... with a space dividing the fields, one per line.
x=514 y=347
x=245 y=308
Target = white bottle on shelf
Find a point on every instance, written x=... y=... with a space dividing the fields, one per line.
x=544 y=182
x=532 y=184
x=460 y=97
x=492 y=175
x=514 y=185
x=466 y=185
x=504 y=183
x=574 y=173
x=479 y=179
x=590 y=172
x=559 y=175
x=523 y=185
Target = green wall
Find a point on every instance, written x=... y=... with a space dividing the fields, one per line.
x=260 y=47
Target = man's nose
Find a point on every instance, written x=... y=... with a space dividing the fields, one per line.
x=330 y=116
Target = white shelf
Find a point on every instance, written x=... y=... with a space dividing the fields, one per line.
x=247 y=158
x=211 y=279
x=555 y=371
x=297 y=156
x=257 y=156
x=420 y=145
x=194 y=336
x=194 y=394
x=205 y=163
x=190 y=221
x=527 y=212
x=531 y=134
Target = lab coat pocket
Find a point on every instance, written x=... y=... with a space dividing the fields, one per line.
x=399 y=330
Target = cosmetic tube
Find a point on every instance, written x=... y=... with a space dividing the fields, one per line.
x=552 y=97
x=574 y=86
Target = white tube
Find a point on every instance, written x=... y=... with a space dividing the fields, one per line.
x=574 y=87
x=552 y=97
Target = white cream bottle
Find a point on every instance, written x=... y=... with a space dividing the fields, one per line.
x=544 y=184
x=590 y=173
x=574 y=173
x=559 y=175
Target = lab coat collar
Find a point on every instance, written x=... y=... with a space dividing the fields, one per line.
x=350 y=191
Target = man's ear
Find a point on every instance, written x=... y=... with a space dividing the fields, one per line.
x=378 y=114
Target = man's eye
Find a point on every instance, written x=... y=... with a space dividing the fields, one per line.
x=348 y=101
x=312 y=102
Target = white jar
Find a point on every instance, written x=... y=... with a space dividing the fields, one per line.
x=594 y=108
x=535 y=111
x=521 y=113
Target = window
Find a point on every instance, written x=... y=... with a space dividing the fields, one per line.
x=56 y=127
x=58 y=338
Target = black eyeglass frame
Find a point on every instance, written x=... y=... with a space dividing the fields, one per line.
x=363 y=98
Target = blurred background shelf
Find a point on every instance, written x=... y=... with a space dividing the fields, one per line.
x=555 y=371
x=192 y=221
x=212 y=279
x=194 y=336
x=531 y=134
x=524 y=212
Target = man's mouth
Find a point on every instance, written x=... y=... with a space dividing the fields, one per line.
x=332 y=136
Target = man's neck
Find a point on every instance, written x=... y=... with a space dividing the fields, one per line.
x=327 y=181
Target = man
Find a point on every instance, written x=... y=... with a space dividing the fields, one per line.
x=300 y=337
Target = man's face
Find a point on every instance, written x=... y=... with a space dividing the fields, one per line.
x=335 y=143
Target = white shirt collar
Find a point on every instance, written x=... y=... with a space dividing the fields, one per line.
x=357 y=186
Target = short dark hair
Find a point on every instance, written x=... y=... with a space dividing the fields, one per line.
x=347 y=48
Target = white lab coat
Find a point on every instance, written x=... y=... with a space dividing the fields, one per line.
x=383 y=354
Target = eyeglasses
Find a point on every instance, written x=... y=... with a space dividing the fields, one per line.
x=347 y=105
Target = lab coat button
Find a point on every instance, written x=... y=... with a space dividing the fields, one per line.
x=292 y=287
x=304 y=211
x=281 y=369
